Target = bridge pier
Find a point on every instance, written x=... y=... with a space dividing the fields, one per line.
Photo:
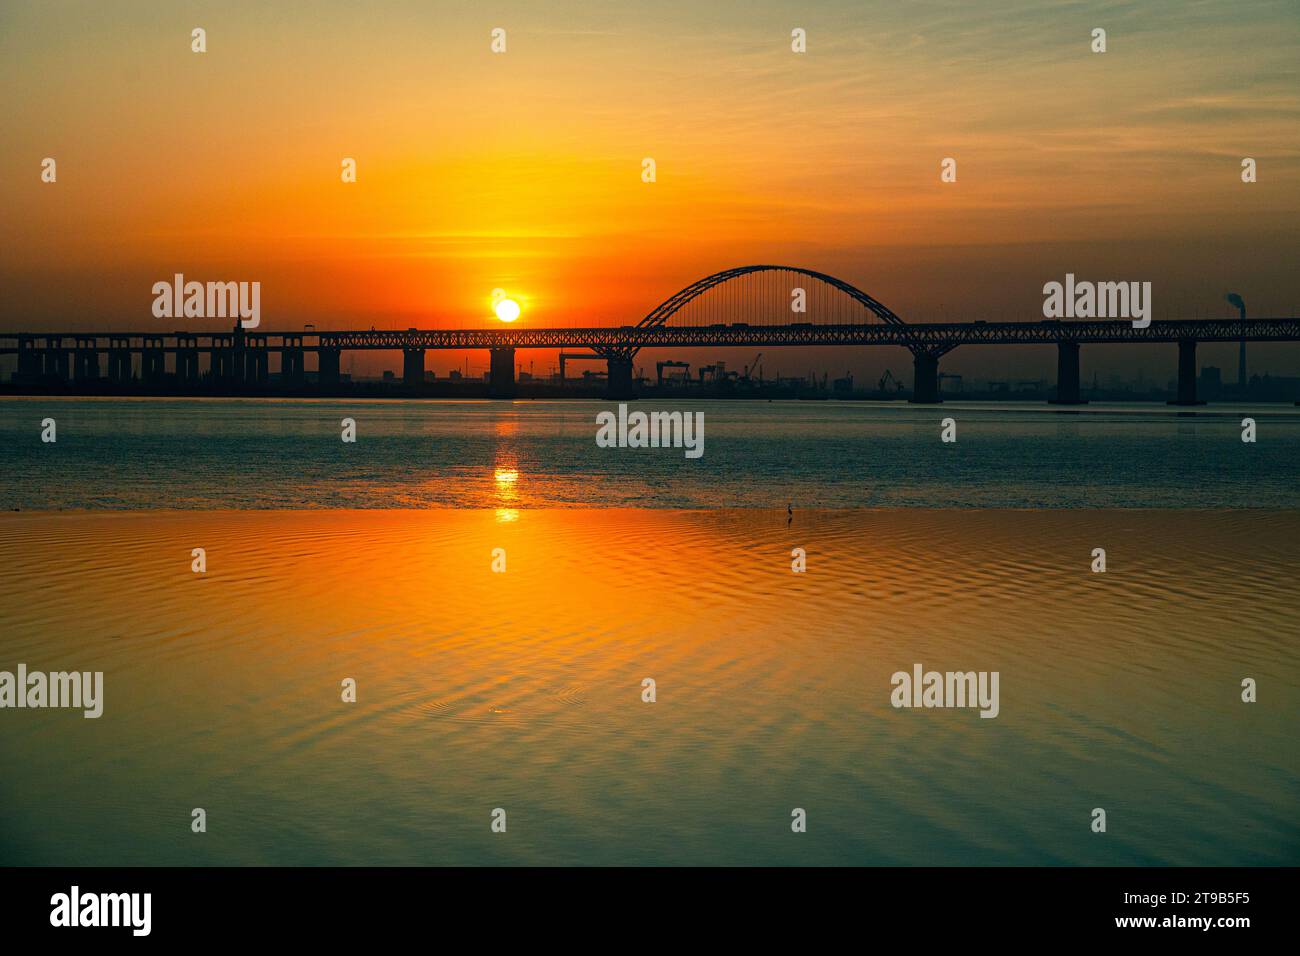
x=119 y=365
x=57 y=361
x=86 y=361
x=292 y=366
x=501 y=375
x=257 y=365
x=925 y=379
x=618 y=378
x=328 y=360
x=187 y=359
x=224 y=355
x=29 y=359
x=1186 y=373
x=413 y=365
x=153 y=363
x=119 y=360
x=1067 y=375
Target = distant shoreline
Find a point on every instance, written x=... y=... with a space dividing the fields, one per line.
x=525 y=390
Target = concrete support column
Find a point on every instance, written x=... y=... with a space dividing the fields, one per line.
x=329 y=366
x=256 y=367
x=413 y=365
x=153 y=364
x=618 y=378
x=223 y=363
x=119 y=365
x=119 y=362
x=925 y=379
x=1186 y=373
x=501 y=377
x=58 y=364
x=1067 y=374
x=187 y=364
x=87 y=364
x=291 y=366
x=29 y=359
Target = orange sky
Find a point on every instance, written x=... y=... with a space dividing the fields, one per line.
x=522 y=170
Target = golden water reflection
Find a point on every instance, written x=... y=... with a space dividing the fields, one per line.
x=523 y=689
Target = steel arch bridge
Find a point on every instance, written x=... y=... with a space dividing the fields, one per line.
x=675 y=303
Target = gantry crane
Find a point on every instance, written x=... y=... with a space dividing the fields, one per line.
x=660 y=366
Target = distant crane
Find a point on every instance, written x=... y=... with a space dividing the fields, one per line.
x=660 y=366
x=577 y=356
x=749 y=370
x=716 y=372
x=887 y=379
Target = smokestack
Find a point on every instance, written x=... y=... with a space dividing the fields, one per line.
x=1234 y=299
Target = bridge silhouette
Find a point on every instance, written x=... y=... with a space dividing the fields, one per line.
x=745 y=306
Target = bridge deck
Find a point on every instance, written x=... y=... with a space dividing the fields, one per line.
x=940 y=336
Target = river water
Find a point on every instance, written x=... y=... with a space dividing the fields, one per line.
x=523 y=690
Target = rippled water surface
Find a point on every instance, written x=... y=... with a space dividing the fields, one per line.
x=274 y=453
x=522 y=690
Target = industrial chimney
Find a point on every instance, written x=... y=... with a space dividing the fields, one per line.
x=1234 y=299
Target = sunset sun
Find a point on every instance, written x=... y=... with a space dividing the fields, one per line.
x=507 y=310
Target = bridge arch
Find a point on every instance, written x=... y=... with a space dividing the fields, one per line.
x=665 y=310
